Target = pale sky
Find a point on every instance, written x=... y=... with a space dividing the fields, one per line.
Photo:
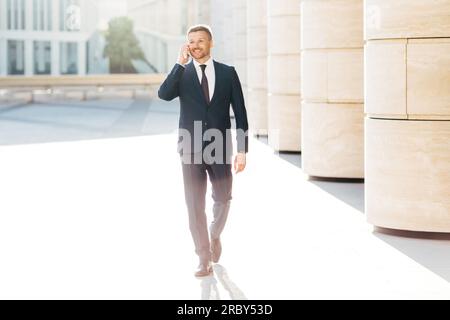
x=109 y=9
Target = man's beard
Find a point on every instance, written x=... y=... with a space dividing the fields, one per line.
x=200 y=54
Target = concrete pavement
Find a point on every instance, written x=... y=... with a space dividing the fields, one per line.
x=100 y=214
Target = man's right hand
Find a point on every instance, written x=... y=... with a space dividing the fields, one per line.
x=183 y=58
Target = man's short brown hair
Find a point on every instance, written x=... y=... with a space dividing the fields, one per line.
x=201 y=27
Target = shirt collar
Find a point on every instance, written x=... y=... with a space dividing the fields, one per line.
x=208 y=63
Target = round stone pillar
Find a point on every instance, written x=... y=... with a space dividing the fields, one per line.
x=283 y=45
x=220 y=19
x=407 y=120
x=257 y=65
x=332 y=88
x=239 y=25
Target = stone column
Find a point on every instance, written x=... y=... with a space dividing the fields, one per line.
x=257 y=65
x=239 y=25
x=12 y=16
x=46 y=23
x=332 y=88
x=221 y=25
x=29 y=57
x=29 y=49
x=283 y=81
x=3 y=42
x=29 y=15
x=37 y=16
x=3 y=57
x=19 y=15
x=3 y=15
x=204 y=11
x=407 y=120
x=56 y=69
x=82 y=58
x=55 y=53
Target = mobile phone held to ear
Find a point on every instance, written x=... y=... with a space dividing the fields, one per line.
x=187 y=54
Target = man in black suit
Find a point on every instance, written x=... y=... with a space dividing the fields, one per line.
x=206 y=88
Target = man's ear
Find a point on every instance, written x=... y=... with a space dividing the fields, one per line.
x=212 y=44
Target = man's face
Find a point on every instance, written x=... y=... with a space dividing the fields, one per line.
x=199 y=44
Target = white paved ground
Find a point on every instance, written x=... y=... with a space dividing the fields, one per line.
x=105 y=219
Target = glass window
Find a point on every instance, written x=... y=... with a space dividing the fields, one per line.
x=15 y=14
x=42 y=14
x=35 y=14
x=68 y=57
x=62 y=5
x=23 y=15
x=16 y=55
x=49 y=14
x=42 y=57
x=9 y=10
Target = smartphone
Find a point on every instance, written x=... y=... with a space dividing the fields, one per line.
x=188 y=53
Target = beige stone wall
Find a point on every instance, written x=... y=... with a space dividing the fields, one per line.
x=283 y=46
x=413 y=76
x=408 y=114
x=239 y=44
x=257 y=65
x=198 y=12
x=405 y=19
x=332 y=88
x=408 y=174
x=221 y=24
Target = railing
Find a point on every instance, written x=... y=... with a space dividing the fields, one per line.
x=29 y=87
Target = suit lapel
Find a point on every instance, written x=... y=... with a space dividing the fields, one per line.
x=194 y=79
x=217 y=72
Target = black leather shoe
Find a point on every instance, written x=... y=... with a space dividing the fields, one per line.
x=204 y=269
x=216 y=250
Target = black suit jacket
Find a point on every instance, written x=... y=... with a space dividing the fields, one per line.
x=183 y=82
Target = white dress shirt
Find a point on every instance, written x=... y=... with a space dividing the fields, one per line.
x=210 y=74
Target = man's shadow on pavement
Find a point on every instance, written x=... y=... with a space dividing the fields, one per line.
x=209 y=285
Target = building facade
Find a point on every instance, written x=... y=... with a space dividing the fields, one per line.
x=161 y=25
x=47 y=37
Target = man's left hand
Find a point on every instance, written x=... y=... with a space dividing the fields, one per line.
x=239 y=162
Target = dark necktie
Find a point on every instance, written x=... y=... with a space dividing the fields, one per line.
x=205 y=86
